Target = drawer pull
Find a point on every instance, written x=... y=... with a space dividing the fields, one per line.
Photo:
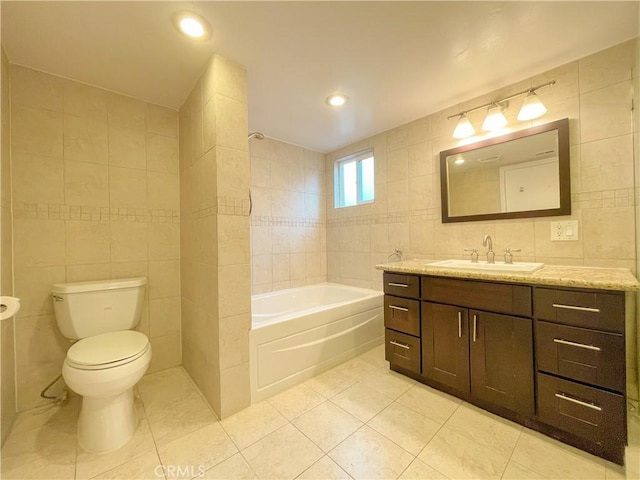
x=402 y=309
x=574 y=344
x=592 y=406
x=401 y=345
x=403 y=285
x=459 y=324
x=573 y=307
x=475 y=327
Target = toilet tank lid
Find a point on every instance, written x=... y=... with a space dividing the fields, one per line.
x=78 y=287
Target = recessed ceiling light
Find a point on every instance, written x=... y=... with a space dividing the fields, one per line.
x=192 y=25
x=337 y=99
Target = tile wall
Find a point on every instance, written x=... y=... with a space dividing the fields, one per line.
x=7 y=361
x=593 y=92
x=288 y=232
x=95 y=196
x=215 y=260
x=636 y=156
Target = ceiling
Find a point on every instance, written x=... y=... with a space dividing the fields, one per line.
x=397 y=61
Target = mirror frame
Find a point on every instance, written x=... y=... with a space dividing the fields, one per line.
x=562 y=126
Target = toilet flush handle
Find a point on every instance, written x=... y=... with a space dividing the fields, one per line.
x=56 y=298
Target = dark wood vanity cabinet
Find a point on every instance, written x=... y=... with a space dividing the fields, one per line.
x=488 y=355
x=551 y=358
x=581 y=379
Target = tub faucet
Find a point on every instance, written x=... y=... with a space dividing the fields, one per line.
x=487 y=242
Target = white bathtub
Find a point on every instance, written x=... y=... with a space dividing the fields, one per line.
x=300 y=332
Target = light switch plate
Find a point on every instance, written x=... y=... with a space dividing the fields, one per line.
x=566 y=231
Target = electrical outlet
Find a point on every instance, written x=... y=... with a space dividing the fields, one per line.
x=566 y=231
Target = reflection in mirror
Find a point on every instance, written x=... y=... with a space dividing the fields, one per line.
x=522 y=174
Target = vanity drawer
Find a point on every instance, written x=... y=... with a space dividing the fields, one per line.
x=402 y=314
x=588 y=412
x=596 y=310
x=402 y=285
x=491 y=297
x=402 y=350
x=585 y=355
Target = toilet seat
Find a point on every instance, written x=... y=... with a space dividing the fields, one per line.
x=108 y=350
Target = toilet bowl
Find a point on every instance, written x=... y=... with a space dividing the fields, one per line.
x=104 y=369
x=108 y=358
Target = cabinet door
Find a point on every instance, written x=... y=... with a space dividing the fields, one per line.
x=445 y=345
x=502 y=360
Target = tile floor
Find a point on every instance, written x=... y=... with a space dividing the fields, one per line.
x=358 y=420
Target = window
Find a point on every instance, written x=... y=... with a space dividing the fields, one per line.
x=353 y=179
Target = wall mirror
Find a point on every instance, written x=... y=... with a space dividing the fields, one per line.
x=517 y=175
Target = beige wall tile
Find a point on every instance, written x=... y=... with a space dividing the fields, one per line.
x=164 y=241
x=164 y=316
x=129 y=270
x=7 y=358
x=85 y=101
x=234 y=340
x=232 y=173
x=33 y=287
x=234 y=390
x=233 y=290
x=163 y=191
x=605 y=164
x=127 y=188
x=87 y=242
x=39 y=340
x=230 y=79
x=86 y=184
x=609 y=233
x=166 y=352
x=231 y=123
x=37 y=179
x=29 y=381
x=30 y=88
x=607 y=67
x=233 y=240
x=162 y=153
x=87 y=273
x=209 y=139
x=606 y=112
x=126 y=112
x=162 y=120
x=36 y=131
x=127 y=148
x=85 y=140
x=38 y=243
x=128 y=242
x=164 y=278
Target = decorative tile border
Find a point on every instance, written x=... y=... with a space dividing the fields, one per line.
x=44 y=211
x=623 y=197
x=221 y=206
x=385 y=218
x=285 y=222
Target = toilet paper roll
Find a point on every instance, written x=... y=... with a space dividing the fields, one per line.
x=9 y=306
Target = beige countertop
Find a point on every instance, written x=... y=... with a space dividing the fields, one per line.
x=558 y=275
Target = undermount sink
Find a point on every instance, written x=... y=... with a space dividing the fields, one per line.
x=519 y=267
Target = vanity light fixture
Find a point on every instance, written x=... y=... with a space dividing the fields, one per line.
x=337 y=99
x=464 y=128
x=495 y=119
x=191 y=25
x=532 y=107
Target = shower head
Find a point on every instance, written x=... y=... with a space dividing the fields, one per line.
x=256 y=135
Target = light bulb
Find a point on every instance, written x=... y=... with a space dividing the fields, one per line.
x=337 y=99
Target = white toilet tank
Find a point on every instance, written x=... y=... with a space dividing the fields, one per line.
x=85 y=309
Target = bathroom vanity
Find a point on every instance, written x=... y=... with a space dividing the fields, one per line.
x=544 y=349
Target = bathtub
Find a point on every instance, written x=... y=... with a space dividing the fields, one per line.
x=300 y=332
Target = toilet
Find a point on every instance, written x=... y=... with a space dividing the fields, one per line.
x=107 y=359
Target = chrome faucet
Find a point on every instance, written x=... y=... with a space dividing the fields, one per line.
x=487 y=242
